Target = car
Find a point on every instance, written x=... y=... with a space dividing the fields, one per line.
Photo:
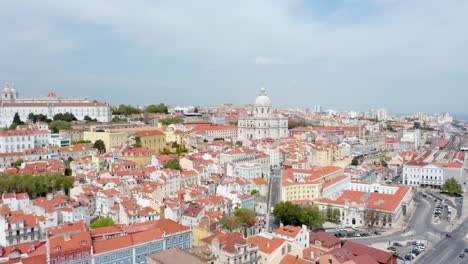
x=396 y=244
x=365 y=234
x=378 y=233
x=409 y=257
x=462 y=255
x=392 y=248
x=466 y=250
x=448 y=235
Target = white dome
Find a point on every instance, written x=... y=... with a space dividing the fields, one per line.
x=263 y=99
x=6 y=89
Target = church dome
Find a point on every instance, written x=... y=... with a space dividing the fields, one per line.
x=6 y=89
x=263 y=99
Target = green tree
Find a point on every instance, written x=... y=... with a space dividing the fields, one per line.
x=126 y=110
x=354 y=162
x=17 y=163
x=313 y=217
x=160 y=108
x=329 y=212
x=35 y=185
x=16 y=122
x=38 y=118
x=253 y=192
x=417 y=125
x=89 y=119
x=100 y=146
x=452 y=187
x=58 y=125
x=195 y=110
x=166 y=151
x=336 y=214
x=17 y=119
x=229 y=222
x=289 y=213
x=173 y=164
x=68 y=117
x=294 y=214
x=137 y=141
x=68 y=172
x=246 y=216
x=234 y=123
x=102 y=222
x=239 y=143
x=171 y=120
x=383 y=163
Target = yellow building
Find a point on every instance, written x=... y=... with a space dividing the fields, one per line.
x=123 y=136
x=176 y=136
x=200 y=232
x=152 y=139
x=142 y=156
x=299 y=184
x=109 y=138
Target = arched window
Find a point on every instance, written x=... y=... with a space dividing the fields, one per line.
x=262 y=110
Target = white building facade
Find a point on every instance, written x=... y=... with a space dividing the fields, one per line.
x=423 y=175
x=263 y=123
x=49 y=105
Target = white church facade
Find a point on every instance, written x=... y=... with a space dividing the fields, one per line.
x=262 y=123
x=49 y=105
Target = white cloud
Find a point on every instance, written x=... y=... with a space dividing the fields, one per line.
x=268 y=60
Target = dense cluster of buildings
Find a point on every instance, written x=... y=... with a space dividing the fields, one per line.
x=167 y=187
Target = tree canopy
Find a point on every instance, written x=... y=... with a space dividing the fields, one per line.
x=35 y=185
x=173 y=164
x=355 y=162
x=125 y=110
x=89 y=119
x=99 y=145
x=16 y=121
x=294 y=214
x=33 y=118
x=383 y=162
x=58 y=125
x=160 y=108
x=171 y=120
x=68 y=117
x=242 y=217
x=451 y=186
x=292 y=123
x=102 y=222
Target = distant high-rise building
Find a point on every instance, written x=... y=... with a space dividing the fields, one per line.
x=382 y=114
x=318 y=109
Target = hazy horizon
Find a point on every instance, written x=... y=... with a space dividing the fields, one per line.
x=406 y=56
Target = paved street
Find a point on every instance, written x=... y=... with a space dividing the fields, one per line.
x=448 y=249
x=275 y=197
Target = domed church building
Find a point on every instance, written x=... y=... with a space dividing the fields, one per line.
x=262 y=123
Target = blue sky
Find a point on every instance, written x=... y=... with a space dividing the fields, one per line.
x=405 y=55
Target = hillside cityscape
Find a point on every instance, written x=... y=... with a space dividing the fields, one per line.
x=234 y=132
x=89 y=182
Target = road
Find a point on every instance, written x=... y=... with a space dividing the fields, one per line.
x=274 y=197
x=447 y=250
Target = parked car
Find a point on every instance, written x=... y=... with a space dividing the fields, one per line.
x=397 y=244
x=466 y=250
x=462 y=255
x=392 y=248
x=448 y=235
x=378 y=233
x=409 y=257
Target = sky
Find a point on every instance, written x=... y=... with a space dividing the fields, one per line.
x=404 y=55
